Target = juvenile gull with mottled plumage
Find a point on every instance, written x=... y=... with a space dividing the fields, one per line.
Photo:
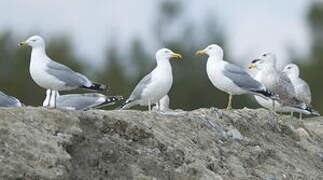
x=302 y=89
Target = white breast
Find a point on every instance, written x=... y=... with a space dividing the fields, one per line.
x=161 y=82
x=38 y=73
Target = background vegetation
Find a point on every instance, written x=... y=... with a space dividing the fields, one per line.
x=191 y=88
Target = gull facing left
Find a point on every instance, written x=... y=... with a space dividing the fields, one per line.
x=231 y=78
x=154 y=85
x=49 y=74
x=302 y=89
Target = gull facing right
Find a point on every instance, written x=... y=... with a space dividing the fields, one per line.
x=231 y=78
x=154 y=85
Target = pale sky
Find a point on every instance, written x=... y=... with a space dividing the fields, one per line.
x=251 y=26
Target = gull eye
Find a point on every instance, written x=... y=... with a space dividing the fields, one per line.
x=289 y=68
x=33 y=40
x=264 y=55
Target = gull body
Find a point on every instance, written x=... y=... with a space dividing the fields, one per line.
x=302 y=89
x=156 y=84
x=266 y=102
x=81 y=101
x=9 y=101
x=230 y=78
x=51 y=75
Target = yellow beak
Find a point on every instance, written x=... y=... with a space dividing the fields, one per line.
x=23 y=43
x=200 y=52
x=252 y=66
x=176 y=55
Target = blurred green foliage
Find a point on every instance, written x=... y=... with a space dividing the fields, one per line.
x=191 y=88
x=312 y=65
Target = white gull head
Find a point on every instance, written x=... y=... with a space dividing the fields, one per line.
x=34 y=42
x=166 y=54
x=291 y=70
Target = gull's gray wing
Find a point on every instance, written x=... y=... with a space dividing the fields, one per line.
x=284 y=87
x=80 y=101
x=67 y=75
x=241 y=78
x=137 y=92
x=9 y=101
x=304 y=92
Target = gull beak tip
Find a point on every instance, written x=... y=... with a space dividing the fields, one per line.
x=252 y=67
x=176 y=55
x=200 y=52
x=23 y=43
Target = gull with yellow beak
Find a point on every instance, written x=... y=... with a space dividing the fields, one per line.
x=231 y=78
x=156 y=84
x=51 y=75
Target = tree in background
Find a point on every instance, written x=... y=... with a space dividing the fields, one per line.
x=311 y=68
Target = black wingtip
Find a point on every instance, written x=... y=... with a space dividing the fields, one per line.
x=113 y=99
x=123 y=104
x=268 y=94
x=110 y=100
x=96 y=87
x=313 y=111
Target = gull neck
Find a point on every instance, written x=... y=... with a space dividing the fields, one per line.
x=38 y=53
x=162 y=62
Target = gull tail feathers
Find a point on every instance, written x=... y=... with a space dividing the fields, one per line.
x=110 y=100
x=127 y=104
x=313 y=111
x=306 y=109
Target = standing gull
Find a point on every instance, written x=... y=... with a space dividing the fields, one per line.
x=278 y=82
x=51 y=75
x=230 y=78
x=156 y=84
x=9 y=101
x=81 y=101
x=302 y=89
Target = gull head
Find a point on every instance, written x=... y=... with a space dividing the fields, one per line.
x=33 y=41
x=265 y=60
x=166 y=54
x=291 y=70
x=211 y=50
